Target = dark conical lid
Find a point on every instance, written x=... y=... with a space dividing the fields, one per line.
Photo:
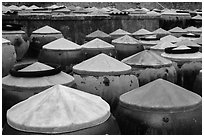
x=160 y=95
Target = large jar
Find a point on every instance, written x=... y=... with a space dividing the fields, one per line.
x=189 y=63
x=197 y=86
x=24 y=83
x=8 y=56
x=149 y=41
x=61 y=110
x=99 y=34
x=62 y=52
x=41 y=37
x=97 y=46
x=118 y=33
x=160 y=108
x=177 y=32
x=199 y=42
x=160 y=33
x=126 y=46
x=18 y=38
x=104 y=76
x=197 y=20
x=148 y=66
x=141 y=33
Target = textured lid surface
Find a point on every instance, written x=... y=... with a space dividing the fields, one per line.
x=177 y=29
x=21 y=82
x=120 y=32
x=5 y=41
x=163 y=45
x=97 y=44
x=170 y=38
x=102 y=64
x=142 y=32
x=126 y=40
x=187 y=42
x=146 y=58
x=98 y=33
x=46 y=29
x=160 y=31
x=62 y=44
x=58 y=109
x=160 y=95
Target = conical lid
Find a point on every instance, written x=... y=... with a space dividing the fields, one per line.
x=62 y=44
x=198 y=41
x=37 y=82
x=23 y=7
x=163 y=45
x=187 y=42
x=160 y=95
x=142 y=32
x=33 y=7
x=177 y=29
x=58 y=109
x=170 y=38
x=46 y=30
x=102 y=64
x=97 y=34
x=197 y=17
x=120 y=32
x=153 y=13
x=181 y=47
x=146 y=58
x=160 y=31
x=14 y=7
x=126 y=40
x=193 y=29
x=97 y=44
x=4 y=41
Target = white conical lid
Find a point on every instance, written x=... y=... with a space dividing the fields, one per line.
x=62 y=44
x=146 y=58
x=126 y=40
x=161 y=95
x=170 y=38
x=153 y=13
x=98 y=33
x=177 y=29
x=182 y=47
x=23 y=7
x=37 y=82
x=102 y=64
x=5 y=41
x=33 y=7
x=58 y=109
x=14 y=7
x=161 y=31
x=46 y=29
x=163 y=45
x=193 y=29
x=187 y=42
x=97 y=44
x=197 y=17
x=142 y=32
x=120 y=32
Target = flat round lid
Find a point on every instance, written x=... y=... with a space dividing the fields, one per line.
x=46 y=30
x=58 y=109
x=187 y=42
x=119 y=32
x=4 y=41
x=170 y=38
x=62 y=44
x=126 y=40
x=177 y=29
x=37 y=82
x=146 y=58
x=102 y=64
x=142 y=32
x=163 y=45
x=97 y=34
x=97 y=44
x=160 y=95
x=161 y=31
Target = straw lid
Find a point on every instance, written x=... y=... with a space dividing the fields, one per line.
x=170 y=38
x=37 y=82
x=97 y=44
x=193 y=29
x=187 y=42
x=177 y=29
x=102 y=64
x=160 y=95
x=4 y=41
x=62 y=44
x=142 y=32
x=98 y=33
x=58 y=109
x=161 y=31
x=46 y=29
x=126 y=40
x=120 y=32
x=146 y=58
x=197 y=17
x=163 y=45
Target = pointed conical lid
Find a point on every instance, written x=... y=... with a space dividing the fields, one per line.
x=187 y=42
x=46 y=30
x=4 y=41
x=147 y=58
x=177 y=29
x=182 y=47
x=170 y=38
x=14 y=7
x=46 y=81
x=23 y=7
x=126 y=40
x=142 y=32
x=198 y=41
x=197 y=17
x=58 y=109
x=161 y=95
x=62 y=44
x=120 y=32
x=33 y=7
x=97 y=44
x=163 y=45
x=193 y=29
x=161 y=31
x=97 y=34
x=102 y=64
